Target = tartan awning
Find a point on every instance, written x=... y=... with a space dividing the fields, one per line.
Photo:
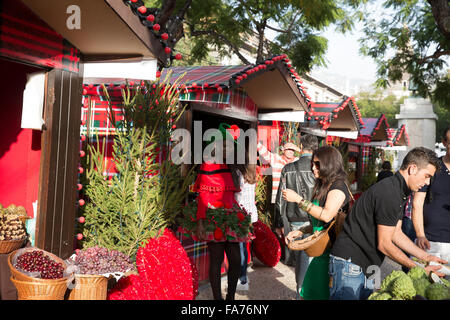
x=25 y=37
x=398 y=136
x=203 y=76
x=376 y=127
x=217 y=83
x=321 y=115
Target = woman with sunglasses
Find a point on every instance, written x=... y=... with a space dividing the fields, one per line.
x=330 y=193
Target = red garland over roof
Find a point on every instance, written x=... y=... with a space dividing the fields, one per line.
x=395 y=135
x=373 y=125
x=225 y=77
x=324 y=113
x=147 y=18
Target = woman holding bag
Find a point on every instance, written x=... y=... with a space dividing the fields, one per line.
x=330 y=193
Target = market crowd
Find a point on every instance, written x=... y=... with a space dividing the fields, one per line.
x=403 y=215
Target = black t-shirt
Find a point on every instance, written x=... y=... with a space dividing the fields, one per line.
x=381 y=204
x=436 y=209
x=384 y=174
x=339 y=185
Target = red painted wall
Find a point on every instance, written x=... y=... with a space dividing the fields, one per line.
x=20 y=149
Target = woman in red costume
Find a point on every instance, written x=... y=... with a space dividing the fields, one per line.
x=216 y=187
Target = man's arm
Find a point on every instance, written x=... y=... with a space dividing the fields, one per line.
x=391 y=240
x=389 y=243
x=268 y=157
x=417 y=219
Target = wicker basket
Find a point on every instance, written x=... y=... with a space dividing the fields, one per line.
x=314 y=245
x=27 y=290
x=16 y=274
x=89 y=287
x=8 y=246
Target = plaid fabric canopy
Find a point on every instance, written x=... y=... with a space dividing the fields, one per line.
x=321 y=114
x=223 y=84
x=25 y=37
x=398 y=136
x=202 y=76
x=373 y=124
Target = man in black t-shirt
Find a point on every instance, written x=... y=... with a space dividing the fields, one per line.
x=431 y=208
x=372 y=229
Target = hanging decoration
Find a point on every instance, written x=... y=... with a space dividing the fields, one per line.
x=266 y=246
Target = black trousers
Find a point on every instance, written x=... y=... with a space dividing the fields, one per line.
x=216 y=256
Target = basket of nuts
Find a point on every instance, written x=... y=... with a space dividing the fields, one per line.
x=12 y=233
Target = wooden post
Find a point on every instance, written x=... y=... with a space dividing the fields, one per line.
x=60 y=159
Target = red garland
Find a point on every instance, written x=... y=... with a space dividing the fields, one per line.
x=266 y=246
x=165 y=273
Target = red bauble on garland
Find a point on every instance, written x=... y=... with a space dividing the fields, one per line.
x=266 y=246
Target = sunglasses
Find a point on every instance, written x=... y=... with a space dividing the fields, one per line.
x=315 y=163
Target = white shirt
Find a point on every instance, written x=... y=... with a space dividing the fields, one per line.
x=246 y=197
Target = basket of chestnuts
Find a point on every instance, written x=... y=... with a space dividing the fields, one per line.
x=12 y=232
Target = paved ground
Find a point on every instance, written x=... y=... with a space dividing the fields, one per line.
x=276 y=283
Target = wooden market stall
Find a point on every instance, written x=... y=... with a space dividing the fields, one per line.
x=337 y=123
x=371 y=138
x=235 y=95
x=42 y=57
x=398 y=141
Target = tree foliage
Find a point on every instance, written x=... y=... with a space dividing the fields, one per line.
x=372 y=105
x=241 y=26
x=147 y=189
x=407 y=39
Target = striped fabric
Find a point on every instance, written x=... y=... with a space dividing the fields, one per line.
x=365 y=152
x=25 y=37
x=277 y=163
x=197 y=253
x=202 y=76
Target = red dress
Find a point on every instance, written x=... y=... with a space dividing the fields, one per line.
x=214 y=184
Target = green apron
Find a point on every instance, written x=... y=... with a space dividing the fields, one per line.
x=315 y=284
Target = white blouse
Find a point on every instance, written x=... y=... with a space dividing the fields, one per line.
x=246 y=197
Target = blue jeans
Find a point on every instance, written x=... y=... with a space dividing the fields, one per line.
x=244 y=264
x=348 y=281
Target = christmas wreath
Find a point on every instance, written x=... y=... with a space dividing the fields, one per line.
x=224 y=222
x=165 y=273
x=265 y=245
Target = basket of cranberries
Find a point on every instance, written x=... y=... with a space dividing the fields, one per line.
x=37 y=274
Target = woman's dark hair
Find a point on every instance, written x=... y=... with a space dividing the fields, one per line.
x=331 y=169
x=386 y=165
x=444 y=133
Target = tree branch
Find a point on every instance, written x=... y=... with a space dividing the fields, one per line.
x=441 y=14
x=260 y=28
x=437 y=54
x=164 y=14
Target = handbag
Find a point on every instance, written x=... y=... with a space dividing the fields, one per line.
x=316 y=244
